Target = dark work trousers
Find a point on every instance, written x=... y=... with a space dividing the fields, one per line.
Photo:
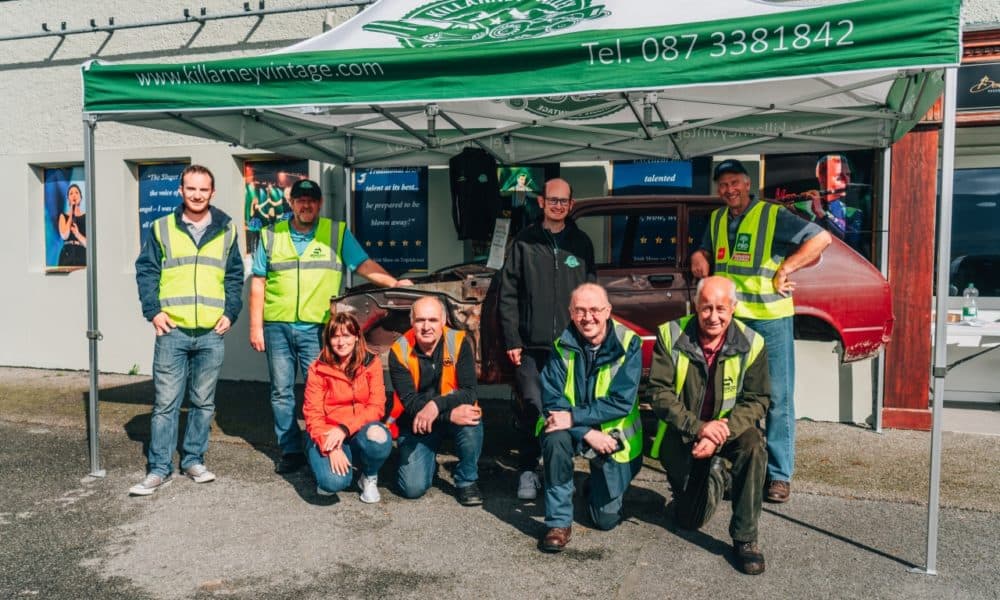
x=527 y=406
x=743 y=461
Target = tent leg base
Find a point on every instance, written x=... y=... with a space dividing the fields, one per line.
x=921 y=571
x=98 y=474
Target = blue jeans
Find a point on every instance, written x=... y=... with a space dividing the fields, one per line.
x=779 y=339
x=418 y=457
x=605 y=500
x=288 y=347
x=363 y=453
x=183 y=364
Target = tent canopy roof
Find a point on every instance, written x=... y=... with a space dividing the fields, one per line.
x=410 y=82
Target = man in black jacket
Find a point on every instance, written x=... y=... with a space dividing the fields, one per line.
x=547 y=261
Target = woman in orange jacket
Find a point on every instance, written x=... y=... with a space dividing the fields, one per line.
x=344 y=405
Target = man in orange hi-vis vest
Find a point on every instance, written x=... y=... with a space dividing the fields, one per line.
x=433 y=374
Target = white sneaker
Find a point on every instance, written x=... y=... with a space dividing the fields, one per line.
x=199 y=474
x=528 y=486
x=369 y=489
x=149 y=484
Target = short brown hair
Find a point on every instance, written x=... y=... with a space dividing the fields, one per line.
x=197 y=169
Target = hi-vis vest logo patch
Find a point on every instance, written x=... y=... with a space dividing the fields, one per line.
x=728 y=386
x=454 y=22
x=317 y=253
x=741 y=251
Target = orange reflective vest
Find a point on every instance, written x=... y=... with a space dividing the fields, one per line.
x=405 y=350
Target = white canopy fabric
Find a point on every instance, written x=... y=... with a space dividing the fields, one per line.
x=412 y=82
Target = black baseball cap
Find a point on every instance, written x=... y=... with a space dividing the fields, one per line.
x=306 y=188
x=728 y=166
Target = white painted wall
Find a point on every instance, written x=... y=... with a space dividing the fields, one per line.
x=43 y=316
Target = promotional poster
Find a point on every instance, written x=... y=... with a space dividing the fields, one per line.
x=520 y=187
x=833 y=190
x=390 y=217
x=159 y=192
x=65 y=213
x=267 y=184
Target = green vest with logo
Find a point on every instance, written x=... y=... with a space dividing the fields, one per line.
x=629 y=427
x=299 y=288
x=192 y=279
x=733 y=370
x=749 y=263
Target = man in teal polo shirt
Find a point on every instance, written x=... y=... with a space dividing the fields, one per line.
x=297 y=267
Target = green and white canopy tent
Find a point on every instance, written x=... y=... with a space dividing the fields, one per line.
x=411 y=82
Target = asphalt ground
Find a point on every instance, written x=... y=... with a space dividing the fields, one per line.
x=855 y=527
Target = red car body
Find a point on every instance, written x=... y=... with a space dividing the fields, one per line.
x=642 y=245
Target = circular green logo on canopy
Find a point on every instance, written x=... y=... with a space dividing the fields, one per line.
x=590 y=106
x=448 y=22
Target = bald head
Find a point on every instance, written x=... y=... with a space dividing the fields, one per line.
x=715 y=299
x=589 y=309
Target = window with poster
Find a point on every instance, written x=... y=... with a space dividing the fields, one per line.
x=65 y=209
x=266 y=185
x=832 y=189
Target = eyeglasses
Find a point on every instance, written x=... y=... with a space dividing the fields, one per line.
x=593 y=312
x=558 y=201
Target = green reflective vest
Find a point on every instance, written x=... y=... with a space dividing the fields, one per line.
x=192 y=279
x=734 y=369
x=749 y=263
x=299 y=288
x=629 y=426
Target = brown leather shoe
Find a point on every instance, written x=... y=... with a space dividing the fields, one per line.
x=556 y=539
x=749 y=557
x=778 y=491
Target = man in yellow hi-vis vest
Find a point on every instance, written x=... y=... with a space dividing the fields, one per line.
x=190 y=278
x=297 y=267
x=709 y=386
x=590 y=388
x=758 y=245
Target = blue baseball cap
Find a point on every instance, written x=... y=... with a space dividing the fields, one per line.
x=729 y=166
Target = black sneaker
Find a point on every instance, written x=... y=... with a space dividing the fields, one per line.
x=749 y=557
x=289 y=463
x=469 y=495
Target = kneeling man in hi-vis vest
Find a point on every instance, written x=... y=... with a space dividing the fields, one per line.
x=433 y=372
x=590 y=388
x=710 y=386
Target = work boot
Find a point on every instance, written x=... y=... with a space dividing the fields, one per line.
x=556 y=539
x=749 y=557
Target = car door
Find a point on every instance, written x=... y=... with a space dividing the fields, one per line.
x=637 y=262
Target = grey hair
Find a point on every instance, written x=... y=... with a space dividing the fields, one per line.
x=440 y=303
x=730 y=289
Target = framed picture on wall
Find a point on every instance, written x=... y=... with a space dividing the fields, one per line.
x=65 y=214
x=832 y=189
x=159 y=191
x=267 y=184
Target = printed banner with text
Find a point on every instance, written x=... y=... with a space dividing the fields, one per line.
x=390 y=216
x=159 y=192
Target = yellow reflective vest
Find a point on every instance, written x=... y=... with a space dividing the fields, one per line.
x=749 y=263
x=734 y=369
x=192 y=279
x=299 y=288
x=629 y=427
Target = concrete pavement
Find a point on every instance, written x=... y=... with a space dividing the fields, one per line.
x=853 y=529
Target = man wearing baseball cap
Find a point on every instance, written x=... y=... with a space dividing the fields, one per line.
x=758 y=245
x=297 y=267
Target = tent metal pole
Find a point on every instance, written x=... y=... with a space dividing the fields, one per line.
x=941 y=304
x=93 y=333
x=883 y=262
x=349 y=215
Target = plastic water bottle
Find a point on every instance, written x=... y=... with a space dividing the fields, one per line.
x=969 y=310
